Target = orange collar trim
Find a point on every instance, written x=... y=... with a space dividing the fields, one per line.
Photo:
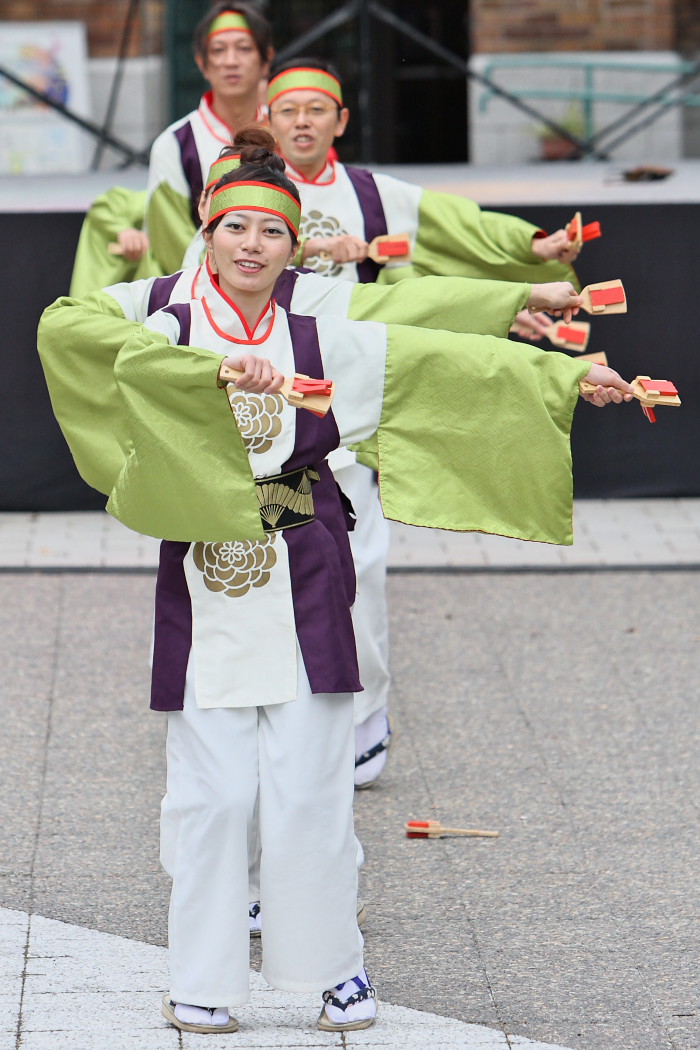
x=328 y=168
x=250 y=332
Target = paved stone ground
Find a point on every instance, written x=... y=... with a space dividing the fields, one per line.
x=607 y=533
x=78 y=989
x=559 y=709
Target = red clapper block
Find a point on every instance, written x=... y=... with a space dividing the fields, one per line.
x=607 y=297
x=649 y=392
x=572 y=336
x=382 y=249
x=310 y=394
x=433 y=829
x=655 y=392
x=315 y=395
x=578 y=234
x=396 y=247
x=590 y=231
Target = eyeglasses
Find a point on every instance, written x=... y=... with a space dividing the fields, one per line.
x=314 y=111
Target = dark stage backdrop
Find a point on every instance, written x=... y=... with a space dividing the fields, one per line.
x=617 y=452
x=36 y=468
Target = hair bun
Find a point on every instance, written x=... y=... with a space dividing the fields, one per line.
x=257 y=145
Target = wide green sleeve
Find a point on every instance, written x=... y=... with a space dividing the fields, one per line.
x=78 y=341
x=515 y=235
x=185 y=474
x=94 y=267
x=454 y=304
x=455 y=238
x=475 y=437
x=170 y=226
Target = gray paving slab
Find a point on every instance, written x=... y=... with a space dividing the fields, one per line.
x=607 y=534
x=559 y=710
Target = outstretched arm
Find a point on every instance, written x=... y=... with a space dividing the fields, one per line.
x=185 y=472
x=455 y=237
x=114 y=216
x=611 y=388
x=453 y=304
x=78 y=342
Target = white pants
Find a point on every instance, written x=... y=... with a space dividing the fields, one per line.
x=370 y=550
x=295 y=759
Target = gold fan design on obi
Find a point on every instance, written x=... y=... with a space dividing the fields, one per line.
x=275 y=498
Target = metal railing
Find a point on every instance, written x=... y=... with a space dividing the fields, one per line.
x=364 y=11
x=98 y=132
x=590 y=143
x=674 y=93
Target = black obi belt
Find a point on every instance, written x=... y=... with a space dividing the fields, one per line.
x=285 y=499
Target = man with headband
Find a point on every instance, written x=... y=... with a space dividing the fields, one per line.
x=345 y=208
x=233 y=49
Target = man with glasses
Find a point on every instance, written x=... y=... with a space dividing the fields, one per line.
x=344 y=208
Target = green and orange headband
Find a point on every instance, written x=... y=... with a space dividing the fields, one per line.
x=256 y=196
x=222 y=166
x=303 y=79
x=229 y=20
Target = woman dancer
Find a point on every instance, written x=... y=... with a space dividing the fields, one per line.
x=254 y=656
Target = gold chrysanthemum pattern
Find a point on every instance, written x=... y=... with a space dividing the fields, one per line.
x=316 y=224
x=258 y=417
x=235 y=566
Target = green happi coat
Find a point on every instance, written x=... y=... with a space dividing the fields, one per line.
x=95 y=267
x=80 y=337
x=472 y=435
x=450 y=235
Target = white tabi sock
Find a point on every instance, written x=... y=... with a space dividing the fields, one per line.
x=367 y=735
x=200 y=1015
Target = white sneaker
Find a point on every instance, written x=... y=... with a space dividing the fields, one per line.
x=350 y=1006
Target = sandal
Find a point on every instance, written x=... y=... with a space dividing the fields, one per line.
x=343 y=1012
x=168 y=1011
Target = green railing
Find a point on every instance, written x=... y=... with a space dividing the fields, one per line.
x=587 y=95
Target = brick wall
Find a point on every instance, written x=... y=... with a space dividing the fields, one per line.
x=574 y=25
x=687 y=26
x=104 y=20
x=496 y=25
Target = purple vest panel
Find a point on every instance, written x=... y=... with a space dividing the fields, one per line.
x=284 y=289
x=320 y=558
x=161 y=290
x=173 y=629
x=191 y=166
x=285 y=285
x=182 y=312
x=373 y=213
x=320 y=561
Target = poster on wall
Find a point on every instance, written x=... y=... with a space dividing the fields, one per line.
x=52 y=58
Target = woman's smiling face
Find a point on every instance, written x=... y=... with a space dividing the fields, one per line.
x=250 y=249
